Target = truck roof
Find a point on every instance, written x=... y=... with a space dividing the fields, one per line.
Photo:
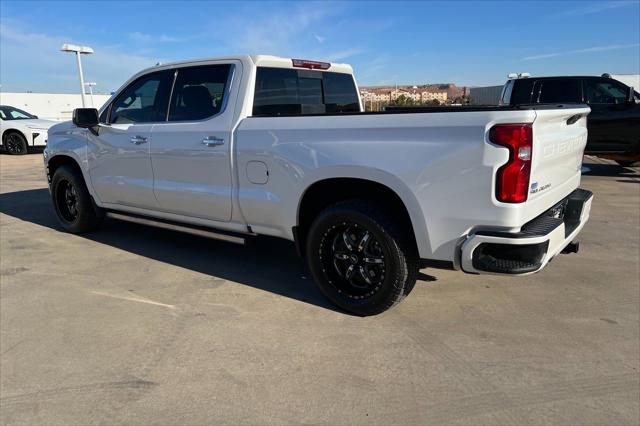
x=281 y=62
x=258 y=60
x=555 y=77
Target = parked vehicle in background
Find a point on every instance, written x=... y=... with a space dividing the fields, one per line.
x=20 y=130
x=263 y=145
x=614 y=121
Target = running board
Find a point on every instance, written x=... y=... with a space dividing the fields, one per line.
x=189 y=229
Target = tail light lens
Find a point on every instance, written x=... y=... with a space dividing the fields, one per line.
x=312 y=65
x=512 y=179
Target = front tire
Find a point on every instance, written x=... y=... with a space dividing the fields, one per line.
x=361 y=260
x=14 y=143
x=72 y=202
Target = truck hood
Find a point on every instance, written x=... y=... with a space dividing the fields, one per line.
x=61 y=127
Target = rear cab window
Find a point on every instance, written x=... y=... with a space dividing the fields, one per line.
x=284 y=91
x=522 y=92
x=560 y=91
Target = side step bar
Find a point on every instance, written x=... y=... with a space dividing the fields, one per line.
x=189 y=229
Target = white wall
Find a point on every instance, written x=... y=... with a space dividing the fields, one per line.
x=52 y=106
x=631 y=80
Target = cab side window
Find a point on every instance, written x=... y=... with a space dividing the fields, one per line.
x=143 y=101
x=198 y=92
x=605 y=92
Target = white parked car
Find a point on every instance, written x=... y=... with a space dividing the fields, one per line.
x=20 y=130
x=238 y=146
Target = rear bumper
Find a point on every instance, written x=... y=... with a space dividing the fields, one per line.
x=527 y=251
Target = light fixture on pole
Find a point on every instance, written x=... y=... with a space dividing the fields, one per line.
x=78 y=50
x=91 y=86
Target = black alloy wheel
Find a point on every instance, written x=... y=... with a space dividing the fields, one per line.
x=361 y=258
x=15 y=144
x=72 y=202
x=353 y=260
x=67 y=200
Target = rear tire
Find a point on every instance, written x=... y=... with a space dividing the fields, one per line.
x=14 y=143
x=72 y=202
x=361 y=260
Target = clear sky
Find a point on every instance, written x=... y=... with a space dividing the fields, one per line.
x=465 y=42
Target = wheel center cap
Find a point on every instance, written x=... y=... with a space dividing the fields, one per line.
x=353 y=258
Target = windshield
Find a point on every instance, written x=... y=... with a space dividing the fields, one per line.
x=11 y=113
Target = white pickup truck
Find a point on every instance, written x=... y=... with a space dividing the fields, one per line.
x=259 y=145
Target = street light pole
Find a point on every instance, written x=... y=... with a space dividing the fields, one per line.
x=84 y=104
x=78 y=50
x=90 y=86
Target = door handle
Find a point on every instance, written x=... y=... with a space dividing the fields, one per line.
x=138 y=140
x=212 y=141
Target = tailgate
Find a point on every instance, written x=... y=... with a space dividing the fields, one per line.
x=559 y=138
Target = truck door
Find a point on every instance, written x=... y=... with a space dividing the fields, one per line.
x=191 y=151
x=119 y=162
x=614 y=123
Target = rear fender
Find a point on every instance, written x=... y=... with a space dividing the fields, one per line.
x=418 y=221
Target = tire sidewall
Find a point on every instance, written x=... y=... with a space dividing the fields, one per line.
x=392 y=288
x=23 y=142
x=85 y=207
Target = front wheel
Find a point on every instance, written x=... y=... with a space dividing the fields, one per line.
x=72 y=201
x=361 y=260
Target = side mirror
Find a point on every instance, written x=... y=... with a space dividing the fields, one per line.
x=85 y=117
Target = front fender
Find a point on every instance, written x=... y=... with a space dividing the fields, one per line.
x=66 y=140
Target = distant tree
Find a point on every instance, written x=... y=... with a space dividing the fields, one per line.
x=403 y=100
x=434 y=102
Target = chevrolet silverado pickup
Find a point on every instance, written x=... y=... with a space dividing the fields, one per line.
x=259 y=145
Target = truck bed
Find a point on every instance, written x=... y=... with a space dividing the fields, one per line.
x=435 y=109
x=443 y=167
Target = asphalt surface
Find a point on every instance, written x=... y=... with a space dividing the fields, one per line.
x=134 y=325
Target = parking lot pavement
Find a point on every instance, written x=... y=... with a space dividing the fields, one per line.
x=134 y=325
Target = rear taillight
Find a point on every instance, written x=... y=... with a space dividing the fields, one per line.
x=512 y=179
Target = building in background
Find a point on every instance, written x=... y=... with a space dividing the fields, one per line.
x=440 y=95
x=376 y=98
x=51 y=106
